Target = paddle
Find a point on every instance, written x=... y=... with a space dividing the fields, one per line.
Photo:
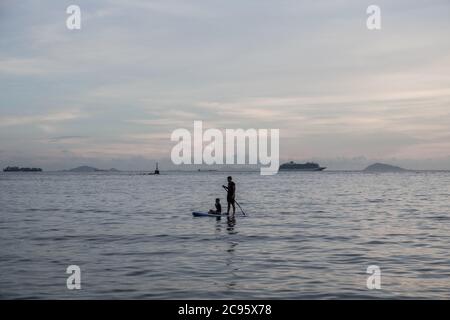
x=235 y=201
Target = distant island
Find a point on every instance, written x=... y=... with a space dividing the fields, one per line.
x=90 y=169
x=382 y=167
x=17 y=169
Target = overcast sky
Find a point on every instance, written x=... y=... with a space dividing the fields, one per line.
x=111 y=93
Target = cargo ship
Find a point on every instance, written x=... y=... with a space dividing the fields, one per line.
x=309 y=166
x=17 y=169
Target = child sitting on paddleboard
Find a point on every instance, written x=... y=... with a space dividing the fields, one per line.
x=218 y=208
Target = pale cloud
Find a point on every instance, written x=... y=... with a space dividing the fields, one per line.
x=21 y=66
x=117 y=149
x=164 y=122
x=167 y=7
x=148 y=137
x=41 y=120
x=425 y=151
x=67 y=138
x=139 y=69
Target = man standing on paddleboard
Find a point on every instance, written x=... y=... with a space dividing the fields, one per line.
x=231 y=193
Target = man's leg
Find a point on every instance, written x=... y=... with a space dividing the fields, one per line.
x=234 y=207
x=228 y=211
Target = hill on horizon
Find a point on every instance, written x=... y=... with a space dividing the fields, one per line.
x=382 y=167
x=89 y=169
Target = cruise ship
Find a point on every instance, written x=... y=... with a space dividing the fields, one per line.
x=309 y=166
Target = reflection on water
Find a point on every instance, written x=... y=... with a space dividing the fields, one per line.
x=230 y=249
x=231 y=222
x=231 y=267
x=306 y=235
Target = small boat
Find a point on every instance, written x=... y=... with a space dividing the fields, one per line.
x=156 y=172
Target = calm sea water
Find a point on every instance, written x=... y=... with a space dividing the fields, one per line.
x=306 y=235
